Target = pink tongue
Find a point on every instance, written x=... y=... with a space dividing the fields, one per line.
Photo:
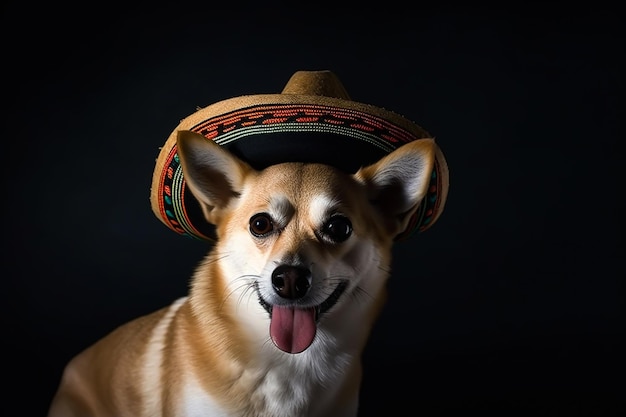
x=292 y=329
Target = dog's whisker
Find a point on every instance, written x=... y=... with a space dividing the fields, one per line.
x=215 y=257
x=359 y=294
x=384 y=268
x=248 y=292
x=247 y=283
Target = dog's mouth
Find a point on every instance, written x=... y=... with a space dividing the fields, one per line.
x=293 y=328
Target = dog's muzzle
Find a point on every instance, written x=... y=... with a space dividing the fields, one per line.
x=293 y=327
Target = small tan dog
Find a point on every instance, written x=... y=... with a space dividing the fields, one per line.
x=281 y=308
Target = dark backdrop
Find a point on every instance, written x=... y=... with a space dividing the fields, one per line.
x=511 y=305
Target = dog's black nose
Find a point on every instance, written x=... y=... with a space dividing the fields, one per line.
x=291 y=282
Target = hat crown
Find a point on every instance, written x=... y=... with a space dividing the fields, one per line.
x=316 y=83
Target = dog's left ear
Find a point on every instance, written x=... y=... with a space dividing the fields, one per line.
x=398 y=182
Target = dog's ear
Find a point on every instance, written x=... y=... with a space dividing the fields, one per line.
x=398 y=182
x=214 y=175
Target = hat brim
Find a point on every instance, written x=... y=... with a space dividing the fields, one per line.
x=264 y=130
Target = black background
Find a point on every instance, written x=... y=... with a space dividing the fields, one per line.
x=513 y=304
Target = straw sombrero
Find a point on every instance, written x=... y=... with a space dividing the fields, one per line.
x=312 y=120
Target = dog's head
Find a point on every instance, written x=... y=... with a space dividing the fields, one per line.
x=310 y=242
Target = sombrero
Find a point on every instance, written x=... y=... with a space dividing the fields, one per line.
x=312 y=120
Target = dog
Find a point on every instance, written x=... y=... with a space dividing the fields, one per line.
x=280 y=309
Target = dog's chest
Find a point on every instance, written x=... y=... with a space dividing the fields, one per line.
x=293 y=389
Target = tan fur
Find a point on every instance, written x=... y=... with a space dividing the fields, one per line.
x=210 y=354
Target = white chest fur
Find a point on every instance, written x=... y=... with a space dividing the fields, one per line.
x=279 y=391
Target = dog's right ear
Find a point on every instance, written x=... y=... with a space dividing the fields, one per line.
x=214 y=175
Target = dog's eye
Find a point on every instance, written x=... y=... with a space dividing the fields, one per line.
x=338 y=228
x=261 y=224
